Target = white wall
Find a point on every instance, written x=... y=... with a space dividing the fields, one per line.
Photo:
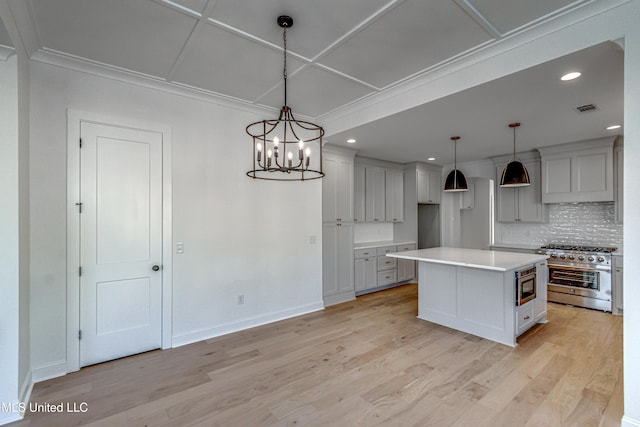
x=241 y=236
x=24 y=229
x=631 y=217
x=14 y=235
x=9 y=223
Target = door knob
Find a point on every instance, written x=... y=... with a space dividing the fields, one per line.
x=155 y=268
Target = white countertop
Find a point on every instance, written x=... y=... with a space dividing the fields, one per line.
x=367 y=245
x=528 y=246
x=474 y=258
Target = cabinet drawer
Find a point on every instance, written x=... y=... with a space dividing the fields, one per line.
x=409 y=247
x=525 y=317
x=386 y=263
x=386 y=250
x=363 y=253
x=387 y=277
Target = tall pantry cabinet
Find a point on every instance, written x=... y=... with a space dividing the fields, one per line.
x=337 y=225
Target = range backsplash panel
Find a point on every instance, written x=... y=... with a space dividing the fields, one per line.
x=581 y=223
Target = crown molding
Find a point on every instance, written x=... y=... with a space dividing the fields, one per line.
x=83 y=65
x=6 y=52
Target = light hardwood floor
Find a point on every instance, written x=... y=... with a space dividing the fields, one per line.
x=362 y=363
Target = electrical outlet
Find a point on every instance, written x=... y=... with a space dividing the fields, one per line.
x=179 y=248
x=312 y=240
x=240 y=299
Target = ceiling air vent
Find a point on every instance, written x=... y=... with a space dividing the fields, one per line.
x=586 y=108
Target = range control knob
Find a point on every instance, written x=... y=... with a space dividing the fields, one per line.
x=563 y=256
x=591 y=259
x=581 y=258
x=554 y=256
x=571 y=257
x=600 y=259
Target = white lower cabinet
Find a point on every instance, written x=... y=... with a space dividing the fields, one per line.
x=525 y=317
x=373 y=269
x=542 y=278
x=337 y=263
x=406 y=267
x=366 y=273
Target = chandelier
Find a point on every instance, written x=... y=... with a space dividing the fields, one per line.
x=286 y=149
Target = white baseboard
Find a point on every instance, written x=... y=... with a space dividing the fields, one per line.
x=26 y=389
x=203 y=334
x=52 y=370
x=339 y=298
x=10 y=412
x=629 y=422
x=14 y=410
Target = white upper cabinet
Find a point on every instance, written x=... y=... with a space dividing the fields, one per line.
x=337 y=186
x=374 y=194
x=378 y=193
x=520 y=204
x=429 y=184
x=358 y=193
x=578 y=172
x=394 y=200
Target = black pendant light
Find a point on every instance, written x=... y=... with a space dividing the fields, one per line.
x=455 y=180
x=515 y=174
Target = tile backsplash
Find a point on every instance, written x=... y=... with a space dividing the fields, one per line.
x=580 y=223
x=372 y=232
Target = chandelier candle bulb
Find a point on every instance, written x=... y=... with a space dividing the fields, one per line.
x=269 y=154
x=308 y=153
x=259 y=148
x=300 y=151
x=290 y=157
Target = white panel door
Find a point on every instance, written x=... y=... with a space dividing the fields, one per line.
x=121 y=242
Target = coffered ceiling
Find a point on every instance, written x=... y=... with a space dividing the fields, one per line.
x=340 y=52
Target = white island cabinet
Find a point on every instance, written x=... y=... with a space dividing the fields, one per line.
x=474 y=291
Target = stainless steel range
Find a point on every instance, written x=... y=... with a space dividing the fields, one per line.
x=579 y=275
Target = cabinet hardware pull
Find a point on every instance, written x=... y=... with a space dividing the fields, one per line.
x=526 y=317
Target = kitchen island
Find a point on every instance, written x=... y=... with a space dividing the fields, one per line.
x=474 y=291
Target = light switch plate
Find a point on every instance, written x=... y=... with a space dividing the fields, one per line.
x=180 y=248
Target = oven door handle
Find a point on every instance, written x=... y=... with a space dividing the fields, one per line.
x=566 y=267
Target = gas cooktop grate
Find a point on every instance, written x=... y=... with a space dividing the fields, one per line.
x=579 y=248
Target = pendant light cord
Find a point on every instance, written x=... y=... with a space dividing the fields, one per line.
x=514 y=143
x=455 y=154
x=284 y=71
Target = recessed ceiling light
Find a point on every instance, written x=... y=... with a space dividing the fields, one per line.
x=612 y=127
x=431 y=159
x=570 y=76
x=351 y=141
